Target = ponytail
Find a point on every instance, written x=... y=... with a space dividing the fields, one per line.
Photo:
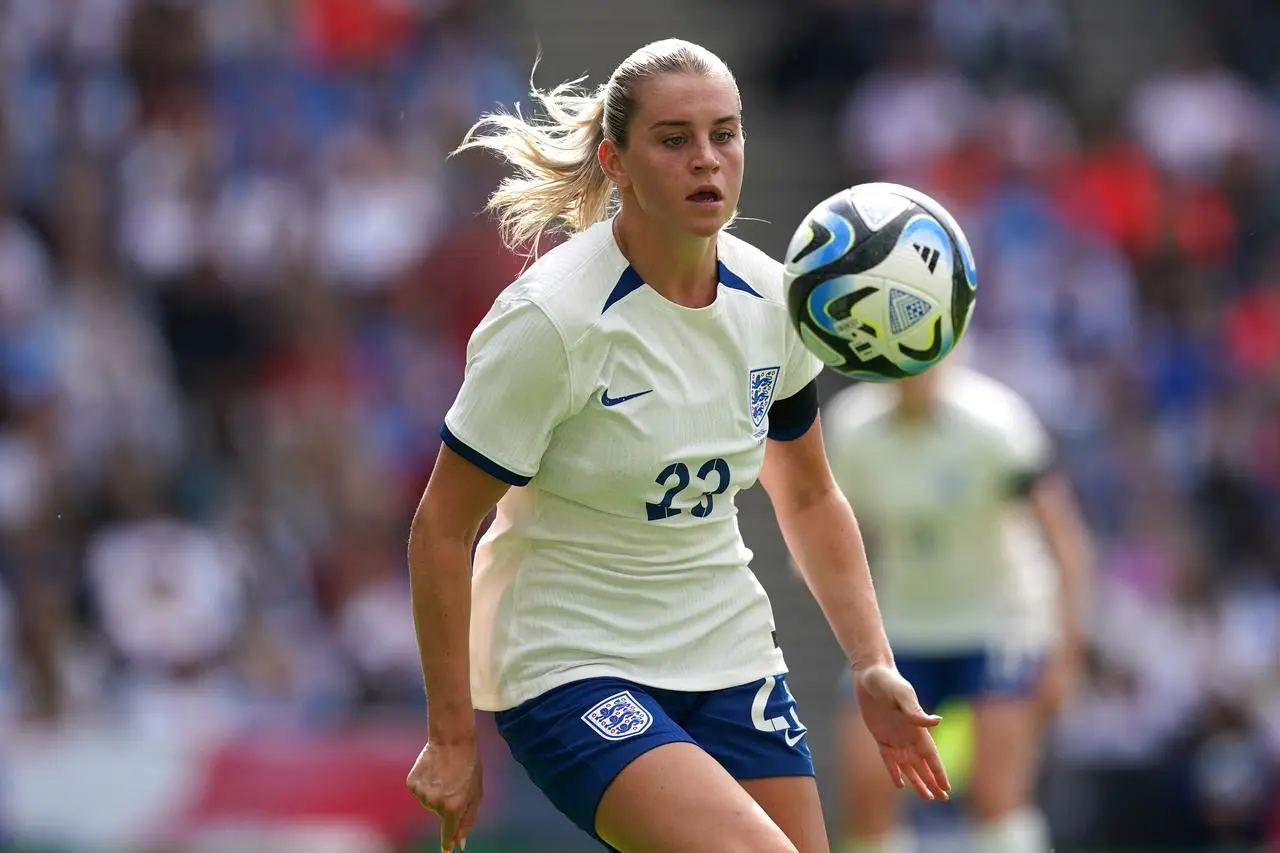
x=558 y=182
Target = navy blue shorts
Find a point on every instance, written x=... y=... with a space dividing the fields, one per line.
x=575 y=739
x=966 y=676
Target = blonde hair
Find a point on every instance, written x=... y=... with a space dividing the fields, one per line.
x=559 y=184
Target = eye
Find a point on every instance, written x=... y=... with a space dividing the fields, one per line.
x=673 y=141
x=724 y=135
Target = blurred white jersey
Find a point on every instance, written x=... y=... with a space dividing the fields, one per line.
x=631 y=423
x=958 y=561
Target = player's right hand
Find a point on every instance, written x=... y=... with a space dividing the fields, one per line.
x=447 y=779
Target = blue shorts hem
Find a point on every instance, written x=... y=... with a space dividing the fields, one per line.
x=574 y=740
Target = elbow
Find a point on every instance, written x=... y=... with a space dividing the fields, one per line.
x=435 y=541
x=809 y=499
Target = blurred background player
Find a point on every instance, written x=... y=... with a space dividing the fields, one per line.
x=628 y=385
x=952 y=477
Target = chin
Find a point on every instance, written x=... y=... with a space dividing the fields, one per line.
x=709 y=226
x=705 y=229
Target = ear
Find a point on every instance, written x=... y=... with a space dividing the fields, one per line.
x=610 y=159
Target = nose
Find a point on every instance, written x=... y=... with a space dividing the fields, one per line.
x=704 y=157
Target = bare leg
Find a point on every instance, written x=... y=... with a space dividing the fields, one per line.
x=793 y=804
x=678 y=799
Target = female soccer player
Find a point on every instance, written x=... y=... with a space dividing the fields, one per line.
x=950 y=475
x=616 y=398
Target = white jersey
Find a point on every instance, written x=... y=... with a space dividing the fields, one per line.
x=631 y=423
x=958 y=561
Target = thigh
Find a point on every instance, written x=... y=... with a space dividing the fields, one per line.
x=792 y=802
x=1006 y=761
x=1007 y=729
x=575 y=740
x=754 y=731
x=677 y=799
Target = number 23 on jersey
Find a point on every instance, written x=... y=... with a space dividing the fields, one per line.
x=714 y=473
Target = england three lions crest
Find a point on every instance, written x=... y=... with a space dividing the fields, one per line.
x=761 y=383
x=618 y=717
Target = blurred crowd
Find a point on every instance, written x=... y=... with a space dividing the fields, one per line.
x=234 y=299
x=236 y=282
x=1129 y=254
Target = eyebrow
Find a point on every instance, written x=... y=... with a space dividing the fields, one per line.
x=680 y=122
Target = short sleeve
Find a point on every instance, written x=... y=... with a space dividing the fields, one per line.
x=801 y=367
x=838 y=442
x=1026 y=448
x=847 y=421
x=516 y=389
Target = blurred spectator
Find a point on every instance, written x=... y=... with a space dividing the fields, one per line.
x=171 y=599
x=376 y=216
x=908 y=112
x=1195 y=117
x=228 y=333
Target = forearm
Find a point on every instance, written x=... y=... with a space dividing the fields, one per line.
x=824 y=539
x=440 y=579
x=1074 y=560
x=1071 y=547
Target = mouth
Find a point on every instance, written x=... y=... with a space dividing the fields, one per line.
x=706 y=196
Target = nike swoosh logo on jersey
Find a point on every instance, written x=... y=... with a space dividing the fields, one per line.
x=792 y=741
x=606 y=400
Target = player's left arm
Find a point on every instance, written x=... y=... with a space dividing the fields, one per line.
x=820 y=529
x=822 y=534
x=1028 y=451
x=1071 y=545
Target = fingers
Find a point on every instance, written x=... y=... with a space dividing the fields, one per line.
x=455 y=819
x=912 y=772
x=909 y=705
x=937 y=787
x=420 y=796
x=889 y=756
x=466 y=821
x=919 y=718
x=920 y=767
x=928 y=766
x=934 y=763
x=449 y=821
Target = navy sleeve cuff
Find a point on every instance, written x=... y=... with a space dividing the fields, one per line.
x=791 y=418
x=478 y=459
x=1023 y=484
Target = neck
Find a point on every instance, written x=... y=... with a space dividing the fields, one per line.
x=915 y=409
x=681 y=267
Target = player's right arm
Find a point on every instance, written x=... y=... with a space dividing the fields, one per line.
x=516 y=390
x=447 y=777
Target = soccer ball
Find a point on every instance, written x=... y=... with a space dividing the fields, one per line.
x=880 y=282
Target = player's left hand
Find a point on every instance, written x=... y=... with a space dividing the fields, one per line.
x=901 y=729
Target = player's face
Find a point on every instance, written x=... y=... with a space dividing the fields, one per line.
x=684 y=157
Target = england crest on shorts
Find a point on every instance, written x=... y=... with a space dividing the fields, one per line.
x=618 y=717
x=761 y=383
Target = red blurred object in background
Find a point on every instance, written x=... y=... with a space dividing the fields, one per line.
x=356 y=30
